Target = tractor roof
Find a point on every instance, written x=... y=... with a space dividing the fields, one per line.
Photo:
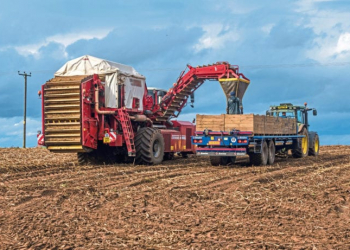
x=286 y=106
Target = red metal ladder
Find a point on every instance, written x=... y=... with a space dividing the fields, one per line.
x=127 y=131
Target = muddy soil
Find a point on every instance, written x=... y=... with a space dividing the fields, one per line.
x=47 y=201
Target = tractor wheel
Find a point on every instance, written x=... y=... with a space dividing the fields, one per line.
x=272 y=153
x=87 y=158
x=301 y=146
x=149 y=144
x=222 y=160
x=315 y=149
x=260 y=158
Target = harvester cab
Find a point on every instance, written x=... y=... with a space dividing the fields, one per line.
x=156 y=94
x=309 y=144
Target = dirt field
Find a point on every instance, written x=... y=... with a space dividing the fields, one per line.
x=48 y=202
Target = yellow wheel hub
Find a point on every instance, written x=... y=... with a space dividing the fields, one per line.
x=304 y=145
x=316 y=145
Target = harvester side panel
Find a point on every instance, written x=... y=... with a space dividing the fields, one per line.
x=89 y=123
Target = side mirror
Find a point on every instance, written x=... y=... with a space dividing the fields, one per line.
x=268 y=113
x=314 y=112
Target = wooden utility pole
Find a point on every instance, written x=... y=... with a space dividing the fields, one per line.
x=25 y=75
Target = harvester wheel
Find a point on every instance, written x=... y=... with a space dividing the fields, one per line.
x=272 y=153
x=184 y=155
x=222 y=160
x=258 y=159
x=301 y=146
x=168 y=156
x=86 y=158
x=315 y=149
x=149 y=144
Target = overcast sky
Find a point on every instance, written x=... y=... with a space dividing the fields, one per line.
x=292 y=51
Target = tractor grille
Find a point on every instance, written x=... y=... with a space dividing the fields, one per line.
x=62 y=114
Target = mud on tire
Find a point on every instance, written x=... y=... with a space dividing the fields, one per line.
x=149 y=144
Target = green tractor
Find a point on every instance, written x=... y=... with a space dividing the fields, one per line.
x=310 y=143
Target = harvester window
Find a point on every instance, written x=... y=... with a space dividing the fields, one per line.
x=151 y=93
x=160 y=95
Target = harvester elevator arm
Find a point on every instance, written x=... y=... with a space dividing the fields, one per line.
x=188 y=82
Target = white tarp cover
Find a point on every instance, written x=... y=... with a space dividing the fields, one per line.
x=88 y=65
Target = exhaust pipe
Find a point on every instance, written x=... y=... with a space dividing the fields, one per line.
x=141 y=118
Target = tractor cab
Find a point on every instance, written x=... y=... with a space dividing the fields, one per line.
x=288 y=110
x=309 y=144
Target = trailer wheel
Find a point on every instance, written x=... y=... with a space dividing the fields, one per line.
x=315 y=149
x=258 y=159
x=272 y=153
x=301 y=145
x=149 y=144
x=222 y=160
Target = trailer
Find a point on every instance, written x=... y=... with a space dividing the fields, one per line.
x=284 y=128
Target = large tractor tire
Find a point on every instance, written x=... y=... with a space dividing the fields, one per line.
x=272 y=153
x=315 y=146
x=260 y=159
x=222 y=160
x=301 y=146
x=149 y=144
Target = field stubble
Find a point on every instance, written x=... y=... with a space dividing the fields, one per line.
x=48 y=201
